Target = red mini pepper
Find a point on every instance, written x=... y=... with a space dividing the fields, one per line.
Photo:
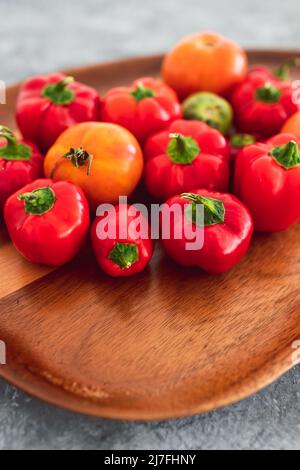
x=48 y=221
x=227 y=230
x=188 y=155
x=267 y=180
x=128 y=249
x=281 y=73
x=20 y=164
x=49 y=104
x=262 y=103
x=145 y=107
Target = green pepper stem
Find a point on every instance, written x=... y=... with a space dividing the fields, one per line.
x=8 y=134
x=13 y=150
x=182 y=149
x=283 y=72
x=124 y=255
x=142 y=92
x=59 y=86
x=214 y=209
x=268 y=93
x=39 y=201
x=287 y=156
x=241 y=140
x=59 y=93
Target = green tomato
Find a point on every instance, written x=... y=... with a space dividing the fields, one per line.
x=209 y=108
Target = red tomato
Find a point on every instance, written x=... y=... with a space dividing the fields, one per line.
x=204 y=62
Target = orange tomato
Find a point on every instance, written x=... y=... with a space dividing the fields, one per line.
x=292 y=125
x=204 y=62
x=104 y=159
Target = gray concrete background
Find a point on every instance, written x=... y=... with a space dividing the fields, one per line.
x=43 y=35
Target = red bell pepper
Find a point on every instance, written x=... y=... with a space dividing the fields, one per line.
x=20 y=164
x=262 y=103
x=227 y=229
x=267 y=180
x=49 y=104
x=188 y=155
x=145 y=107
x=48 y=221
x=281 y=73
x=237 y=142
x=123 y=252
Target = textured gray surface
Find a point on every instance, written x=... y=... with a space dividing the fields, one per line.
x=268 y=420
x=43 y=35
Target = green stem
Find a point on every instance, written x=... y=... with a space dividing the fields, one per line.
x=288 y=155
x=80 y=157
x=124 y=255
x=39 y=201
x=182 y=149
x=214 y=209
x=142 y=92
x=13 y=150
x=268 y=93
x=283 y=72
x=58 y=93
x=241 y=140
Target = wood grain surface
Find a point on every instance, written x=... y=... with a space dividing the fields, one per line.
x=166 y=343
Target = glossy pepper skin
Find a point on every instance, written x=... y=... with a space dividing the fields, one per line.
x=48 y=221
x=20 y=164
x=145 y=107
x=125 y=253
x=49 y=104
x=262 y=103
x=228 y=229
x=267 y=180
x=188 y=155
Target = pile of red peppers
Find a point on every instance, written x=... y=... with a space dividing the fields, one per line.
x=246 y=180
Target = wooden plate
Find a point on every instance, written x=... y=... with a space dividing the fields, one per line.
x=166 y=343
